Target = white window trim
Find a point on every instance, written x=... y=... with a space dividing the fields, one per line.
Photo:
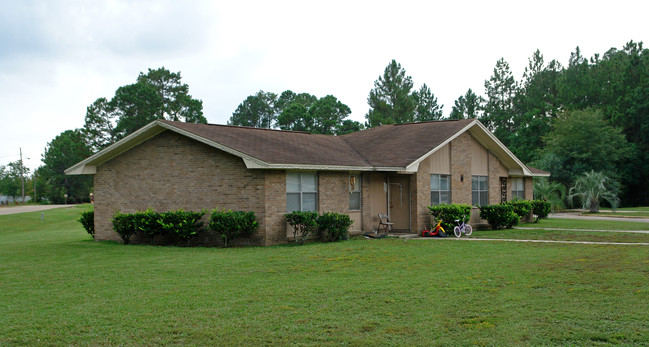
x=301 y=192
x=516 y=191
x=359 y=186
x=480 y=203
x=440 y=190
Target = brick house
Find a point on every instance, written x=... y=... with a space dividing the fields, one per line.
x=398 y=170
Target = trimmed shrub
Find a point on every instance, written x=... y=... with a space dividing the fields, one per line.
x=303 y=224
x=499 y=216
x=521 y=207
x=232 y=224
x=87 y=219
x=335 y=225
x=146 y=222
x=448 y=213
x=180 y=224
x=124 y=225
x=541 y=209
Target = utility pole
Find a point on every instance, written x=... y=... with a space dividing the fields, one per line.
x=22 y=173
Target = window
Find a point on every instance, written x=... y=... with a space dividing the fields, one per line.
x=518 y=188
x=440 y=189
x=479 y=191
x=355 y=192
x=301 y=191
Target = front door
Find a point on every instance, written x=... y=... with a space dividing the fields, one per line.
x=399 y=202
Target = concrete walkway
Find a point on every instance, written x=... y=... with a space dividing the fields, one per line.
x=28 y=208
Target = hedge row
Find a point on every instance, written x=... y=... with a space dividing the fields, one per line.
x=508 y=214
x=504 y=215
x=180 y=226
x=334 y=225
x=449 y=213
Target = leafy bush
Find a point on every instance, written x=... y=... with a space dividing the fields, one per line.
x=448 y=213
x=521 y=207
x=303 y=223
x=124 y=225
x=180 y=224
x=232 y=224
x=499 y=216
x=335 y=225
x=541 y=209
x=87 y=219
x=146 y=222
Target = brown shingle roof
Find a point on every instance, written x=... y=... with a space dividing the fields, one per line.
x=536 y=171
x=401 y=144
x=385 y=146
x=277 y=146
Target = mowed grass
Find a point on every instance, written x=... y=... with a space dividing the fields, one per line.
x=583 y=230
x=622 y=224
x=620 y=214
x=57 y=287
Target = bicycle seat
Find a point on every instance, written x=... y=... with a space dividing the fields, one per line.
x=457 y=221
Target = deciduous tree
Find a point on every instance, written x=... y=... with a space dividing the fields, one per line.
x=256 y=111
x=65 y=150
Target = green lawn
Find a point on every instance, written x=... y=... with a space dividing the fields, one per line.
x=638 y=208
x=622 y=224
x=620 y=214
x=57 y=287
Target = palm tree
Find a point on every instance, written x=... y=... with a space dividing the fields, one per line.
x=554 y=192
x=593 y=187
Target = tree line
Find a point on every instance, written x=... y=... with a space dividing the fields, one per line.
x=591 y=115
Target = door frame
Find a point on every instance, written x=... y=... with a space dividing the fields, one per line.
x=387 y=201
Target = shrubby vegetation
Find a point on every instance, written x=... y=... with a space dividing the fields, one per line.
x=87 y=220
x=592 y=188
x=178 y=225
x=522 y=208
x=232 y=224
x=448 y=213
x=303 y=224
x=499 y=216
x=334 y=226
x=541 y=209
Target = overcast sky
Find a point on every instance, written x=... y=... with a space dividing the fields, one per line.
x=57 y=57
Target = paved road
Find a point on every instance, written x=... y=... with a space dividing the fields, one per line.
x=29 y=208
x=576 y=215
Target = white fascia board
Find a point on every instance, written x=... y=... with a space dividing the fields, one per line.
x=257 y=164
x=414 y=166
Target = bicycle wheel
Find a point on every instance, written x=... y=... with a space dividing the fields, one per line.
x=468 y=230
x=457 y=232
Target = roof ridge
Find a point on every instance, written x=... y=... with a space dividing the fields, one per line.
x=241 y=127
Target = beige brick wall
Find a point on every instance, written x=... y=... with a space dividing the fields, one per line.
x=420 y=193
x=461 y=167
x=170 y=171
x=529 y=188
x=495 y=170
x=275 y=207
x=333 y=191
